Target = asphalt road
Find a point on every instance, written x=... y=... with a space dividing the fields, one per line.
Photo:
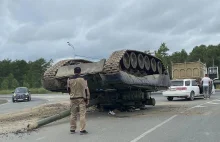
x=37 y=99
x=179 y=120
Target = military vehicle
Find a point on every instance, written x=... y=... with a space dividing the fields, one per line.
x=125 y=79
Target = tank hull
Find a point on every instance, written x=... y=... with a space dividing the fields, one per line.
x=126 y=78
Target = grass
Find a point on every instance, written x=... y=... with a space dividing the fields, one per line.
x=217 y=86
x=33 y=91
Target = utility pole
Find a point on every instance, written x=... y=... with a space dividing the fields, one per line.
x=73 y=49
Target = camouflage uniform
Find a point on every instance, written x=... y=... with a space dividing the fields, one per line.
x=78 y=96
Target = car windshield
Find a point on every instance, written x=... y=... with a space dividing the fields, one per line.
x=21 y=90
x=177 y=83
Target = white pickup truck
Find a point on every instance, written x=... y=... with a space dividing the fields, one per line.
x=184 y=88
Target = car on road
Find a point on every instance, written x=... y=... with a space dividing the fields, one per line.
x=21 y=93
x=184 y=88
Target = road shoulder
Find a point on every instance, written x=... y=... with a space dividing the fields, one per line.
x=3 y=101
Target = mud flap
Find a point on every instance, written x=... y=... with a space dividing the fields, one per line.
x=86 y=68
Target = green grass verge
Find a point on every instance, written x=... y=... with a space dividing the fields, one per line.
x=218 y=86
x=33 y=91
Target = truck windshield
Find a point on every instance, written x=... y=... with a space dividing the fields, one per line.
x=177 y=83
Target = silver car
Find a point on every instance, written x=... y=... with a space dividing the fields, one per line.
x=21 y=93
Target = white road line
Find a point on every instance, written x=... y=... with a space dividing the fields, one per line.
x=207 y=113
x=40 y=138
x=200 y=106
x=196 y=106
x=152 y=129
x=213 y=103
x=8 y=101
x=216 y=100
x=159 y=125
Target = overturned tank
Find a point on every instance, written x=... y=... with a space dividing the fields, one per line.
x=125 y=79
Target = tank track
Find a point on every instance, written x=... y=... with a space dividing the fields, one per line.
x=113 y=64
x=50 y=74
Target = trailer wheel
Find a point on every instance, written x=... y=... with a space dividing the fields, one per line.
x=169 y=98
x=153 y=101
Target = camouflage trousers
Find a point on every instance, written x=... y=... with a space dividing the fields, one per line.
x=77 y=105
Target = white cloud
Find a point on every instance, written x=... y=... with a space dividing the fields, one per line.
x=41 y=28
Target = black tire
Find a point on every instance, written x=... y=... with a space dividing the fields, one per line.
x=13 y=100
x=153 y=101
x=169 y=98
x=192 y=96
x=29 y=98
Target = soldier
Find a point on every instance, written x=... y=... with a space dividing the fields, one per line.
x=79 y=98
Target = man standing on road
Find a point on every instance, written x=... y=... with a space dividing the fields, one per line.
x=79 y=98
x=205 y=84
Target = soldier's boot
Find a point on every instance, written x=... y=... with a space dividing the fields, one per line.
x=72 y=131
x=83 y=132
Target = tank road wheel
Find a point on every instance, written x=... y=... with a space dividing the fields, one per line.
x=126 y=60
x=133 y=59
x=146 y=62
x=140 y=61
x=153 y=65
x=159 y=66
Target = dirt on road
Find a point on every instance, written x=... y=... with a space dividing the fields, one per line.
x=17 y=122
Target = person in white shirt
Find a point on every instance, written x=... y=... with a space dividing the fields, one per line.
x=205 y=84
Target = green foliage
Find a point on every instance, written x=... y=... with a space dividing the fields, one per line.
x=33 y=91
x=22 y=73
x=206 y=54
x=5 y=84
x=14 y=83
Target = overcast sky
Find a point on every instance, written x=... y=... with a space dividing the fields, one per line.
x=30 y=29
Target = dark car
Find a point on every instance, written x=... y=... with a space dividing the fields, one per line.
x=21 y=93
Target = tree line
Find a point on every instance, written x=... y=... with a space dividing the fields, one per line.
x=29 y=73
x=22 y=73
x=207 y=54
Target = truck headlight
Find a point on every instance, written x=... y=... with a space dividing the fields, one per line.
x=14 y=94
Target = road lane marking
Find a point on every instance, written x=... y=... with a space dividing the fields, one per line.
x=213 y=103
x=159 y=125
x=200 y=106
x=217 y=100
x=207 y=113
x=152 y=129
x=40 y=138
x=196 y=106
x=8 y=101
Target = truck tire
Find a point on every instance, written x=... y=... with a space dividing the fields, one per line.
x=169 y=98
